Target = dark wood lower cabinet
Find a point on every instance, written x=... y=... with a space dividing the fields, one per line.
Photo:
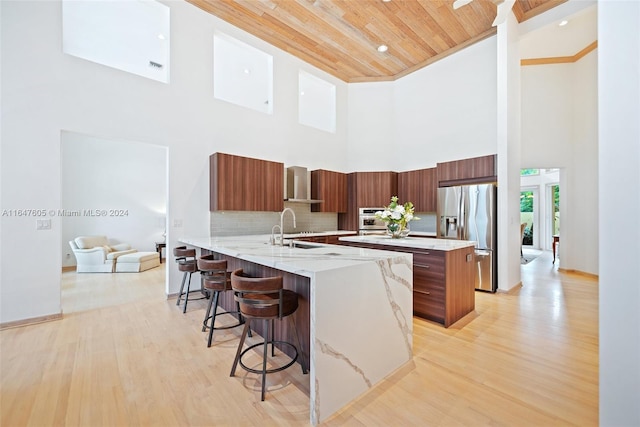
x=443 y=282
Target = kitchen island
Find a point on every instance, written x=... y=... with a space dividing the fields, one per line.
x=443 y=273
x=355 y=310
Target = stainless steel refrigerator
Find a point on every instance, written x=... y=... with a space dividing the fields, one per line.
x=468 y=212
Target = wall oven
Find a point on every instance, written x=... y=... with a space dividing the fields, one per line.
x=368 y=223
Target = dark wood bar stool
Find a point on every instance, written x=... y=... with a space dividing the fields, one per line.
x=215 y=279
x=263 y=298
x=186 y=259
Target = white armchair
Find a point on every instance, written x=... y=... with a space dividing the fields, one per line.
x=95 y=255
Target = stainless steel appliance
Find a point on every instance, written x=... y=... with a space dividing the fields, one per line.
x=469 y=212
x=368 y=223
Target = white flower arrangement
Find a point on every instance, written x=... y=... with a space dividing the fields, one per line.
x=397 y=213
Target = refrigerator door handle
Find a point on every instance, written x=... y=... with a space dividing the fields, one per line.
x=461 y=217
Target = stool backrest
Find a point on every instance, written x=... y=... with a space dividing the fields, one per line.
x=257 y=292
x=183 y=252
x=207 y=263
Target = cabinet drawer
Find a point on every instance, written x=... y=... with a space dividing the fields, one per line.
x=427 y=272
x=428 y=257
x=428 y=306
x=433 y=286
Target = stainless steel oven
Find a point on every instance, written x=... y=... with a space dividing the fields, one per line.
x=368 y=223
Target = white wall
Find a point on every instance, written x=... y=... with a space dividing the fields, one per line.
x=619 y=204
x=508 y=119
x=372 y=145
x=560 y=129
x=45 y=91
x=447 y=111
x=126 y=179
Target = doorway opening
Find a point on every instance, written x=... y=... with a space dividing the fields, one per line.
x=540 y=206
x=112 y=189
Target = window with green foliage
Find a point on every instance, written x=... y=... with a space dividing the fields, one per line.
x=526 y=216
x=527 y=172
x=555 y=191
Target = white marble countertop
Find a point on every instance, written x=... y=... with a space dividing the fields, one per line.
x=411 y=242
x=313 y=258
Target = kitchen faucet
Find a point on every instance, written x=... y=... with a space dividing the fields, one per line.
x=272 y=240
x=282 y=225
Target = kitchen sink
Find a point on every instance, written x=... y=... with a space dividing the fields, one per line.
x=302 y=245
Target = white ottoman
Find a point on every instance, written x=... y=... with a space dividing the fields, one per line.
x=136 y=262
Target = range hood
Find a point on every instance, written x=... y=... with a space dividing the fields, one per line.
x=298 y=185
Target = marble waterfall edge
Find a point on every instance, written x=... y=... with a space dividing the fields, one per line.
x=362 y=323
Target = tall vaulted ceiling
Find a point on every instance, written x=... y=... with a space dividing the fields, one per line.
x=342 y=37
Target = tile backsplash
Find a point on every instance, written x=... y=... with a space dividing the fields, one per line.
x=426 y=223
x=236 y=223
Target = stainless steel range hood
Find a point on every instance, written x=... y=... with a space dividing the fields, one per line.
x=298 y=185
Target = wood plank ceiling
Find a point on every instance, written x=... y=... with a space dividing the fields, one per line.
x=341 y=37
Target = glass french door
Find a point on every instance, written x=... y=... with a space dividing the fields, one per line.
x=529 y=216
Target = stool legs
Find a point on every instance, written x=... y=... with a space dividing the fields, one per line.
x=240 y=344
x=269 y=337
x=214 y=302
x=186 y=294
x=264 y=354
x=212 y=312
x=184 y=277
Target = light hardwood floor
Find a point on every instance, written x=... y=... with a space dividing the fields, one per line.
x=124 y=355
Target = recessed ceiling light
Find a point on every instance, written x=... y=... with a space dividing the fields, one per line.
x=383 y=48
x=161 y=36
x=247 y=71
x=563 y=23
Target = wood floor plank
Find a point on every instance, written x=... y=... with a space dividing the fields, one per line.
x=125 y=355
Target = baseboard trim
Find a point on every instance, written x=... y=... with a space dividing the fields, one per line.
x=69 y=268
x=31 y=321
x=511 y=290
x=578 y=272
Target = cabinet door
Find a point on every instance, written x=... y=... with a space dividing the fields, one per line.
x=375 y=189
x=473 y=170
x=420 y=188
x=331 y=188
x=243 y=184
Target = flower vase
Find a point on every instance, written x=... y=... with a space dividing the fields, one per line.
x=397 y=230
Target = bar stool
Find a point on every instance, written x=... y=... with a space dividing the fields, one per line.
x=215 y=279
x=263 y=298
x=186 y=259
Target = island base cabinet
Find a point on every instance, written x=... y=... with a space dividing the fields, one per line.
x=443 y=281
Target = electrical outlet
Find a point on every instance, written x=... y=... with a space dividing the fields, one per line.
x=43 y=224
x=177 y=223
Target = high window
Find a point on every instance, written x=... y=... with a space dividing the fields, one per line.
x=132 y=36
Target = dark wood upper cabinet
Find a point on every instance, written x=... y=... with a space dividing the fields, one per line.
x=467 y=171
x=419 y=187
x=331 y=188
x=374 y=189
x=244 y=184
